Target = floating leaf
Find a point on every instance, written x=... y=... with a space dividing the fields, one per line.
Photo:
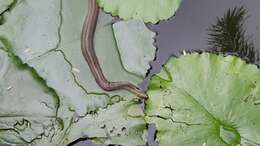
x=122 y=126
x=105 y=47
x=146 y=10
x=205 y=99
x=135 y=45
x=37 y=32
x=27 y=108
x=46 y=36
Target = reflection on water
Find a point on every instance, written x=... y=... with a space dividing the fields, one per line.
x=228 y=35
x=189 y=31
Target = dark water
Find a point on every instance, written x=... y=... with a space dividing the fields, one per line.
x=188 y=31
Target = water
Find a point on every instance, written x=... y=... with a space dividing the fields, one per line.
x=188 y=31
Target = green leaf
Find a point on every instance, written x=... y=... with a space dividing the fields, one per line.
x=146 y=10
x=38 y=27
x=105 y=47
x=135 y=45
x=120 y=122
x=46 y=36
x=205 y=99
x=38 y=50
x=27 y=108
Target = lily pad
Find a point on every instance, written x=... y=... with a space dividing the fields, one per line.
x=122 y=122
x=135 y=45
x=38 y=27
x=105 y=47
x=205 y=99
x=46 y=36
x=146 y=10
x=27 y=108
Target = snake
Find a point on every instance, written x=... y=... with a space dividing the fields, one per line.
x=88 y=51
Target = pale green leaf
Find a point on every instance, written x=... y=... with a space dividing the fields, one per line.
x=105 y=47
x=114 y=122
x=146 y=10
x=135 y=45
x=36 y=48
x=206 y=99
x=46 y=36
x=38 y=27
x=27 y=108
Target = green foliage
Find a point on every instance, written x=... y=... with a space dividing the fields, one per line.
x=135 y=45
x=205 y=99
x=44 y=36
x=147 y=10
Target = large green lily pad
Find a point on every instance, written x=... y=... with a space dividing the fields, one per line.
x=205 y=99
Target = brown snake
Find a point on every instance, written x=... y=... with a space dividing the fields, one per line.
x=90 y=56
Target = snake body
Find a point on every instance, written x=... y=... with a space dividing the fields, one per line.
x=87 y=46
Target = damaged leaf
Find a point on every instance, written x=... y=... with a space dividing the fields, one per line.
x=205 y=99
x=46 y=36
x=114 y=121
